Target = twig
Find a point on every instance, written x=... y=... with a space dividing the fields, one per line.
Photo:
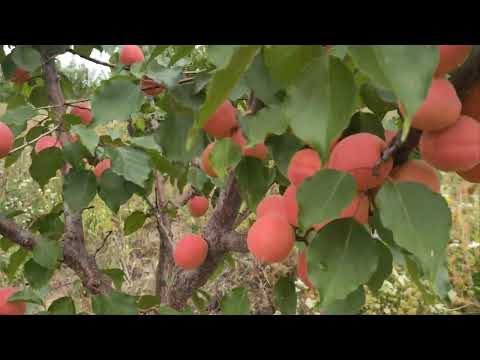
x=99 y=62
x=103 y=243
x=33 y=141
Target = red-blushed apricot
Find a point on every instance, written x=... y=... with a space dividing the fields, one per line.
x=131 y=54
x=259 y=151
x=472 y=175
x=83 y=111
x=47 y=142
x=205 y=163
x=9 y=308
x=440 y=109
x=6 y=140
x=290 y=199
x=389 y=135
x=103 y=165
x=302 y=269
x=20 y=76
x=471 y=102
x=451 y=57
x=198 y=206
x=272 y=204
x=304 y=164
x=418 y=171
x=222 y=123
x=270 y=239
x=190 y=252
x=150 y=87
x=456 y=148
x=357 y=154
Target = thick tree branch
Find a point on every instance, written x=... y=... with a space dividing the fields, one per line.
x=234 y=241
x=12 y=231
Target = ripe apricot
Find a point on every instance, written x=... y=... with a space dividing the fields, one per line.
x=47 y=142
x=259 y=151
x=290 y=199
x=357 y=155
x=9 y=308
x=440 y=109
x=190 y=252
x=20 y=76
x=131 y=54
x=472 y=175
x=451 y=57
x=198 y=206
x=471 y=102
x=83 y=111
x=273 y=204
x=103 y=165
x=418 y=171
x=150 y=87
x=270 y=239
x=222 y=122
x=205 y=163
x=456 y=148
x=6 y=140
x=302 y=269
x=304 y=164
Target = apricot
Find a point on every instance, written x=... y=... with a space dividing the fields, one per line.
x=304 y=164
x=472 y=175
x=6 y=140
x=270 y=239
x=259 y=151
x=198 y=206
x=357 y=155
x=418 y=171
x=451 y=57
x=290 y=199
x=190 y=252
x=130 y=54
x=83 y=111
x=150 y=87
x=103 y=165
x=456 y=148
x=440 y=109
x=20 y=76
x=205 y=163
x=471 y=102
x=47 y=142
x=302 y=269
x=273 y=204
x=8 y=308
x=222 y=123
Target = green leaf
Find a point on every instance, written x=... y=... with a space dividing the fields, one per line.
x=384 y=267
x=197 y=177
x=62 y=306
x=116 y=303
x=285 y=296
x=146 y=143
x=321 y=102
x=88 y=137
x=79 y=189
x=47 y=253
x=341 y=257
x=117 y=276
x=116 y=99
x=365 y=122
x=220 y=55
x=159 y=49
x=376 y=99
x=260 y=81
x=10 y=214
x=8 y=67
x=266 y=122
x=224 y=81
x=39 y=96
x=351 y=305
x=134 y=222
x=26 y=57
x=12 y=158
x=84 y=50
x=36 y=275
x=132 y=164
x=339 y=51
x=283 y=147
x=419 y=219
x=442 y=285
x=236 y=302
x=113 y=190
x=17 y=118
x=75 y=153
x=287 y=62
x=323 y=196
x=45 y=165
x=50 y=225
x=147 y=302
x=180 y=51
x=253 y=181
x=26 y=295
x=16 y=260
x=166 y=76
x=5 y=243
x=225 y=156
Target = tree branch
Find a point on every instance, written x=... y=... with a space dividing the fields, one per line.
x=13 y=232
x=99 y=62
